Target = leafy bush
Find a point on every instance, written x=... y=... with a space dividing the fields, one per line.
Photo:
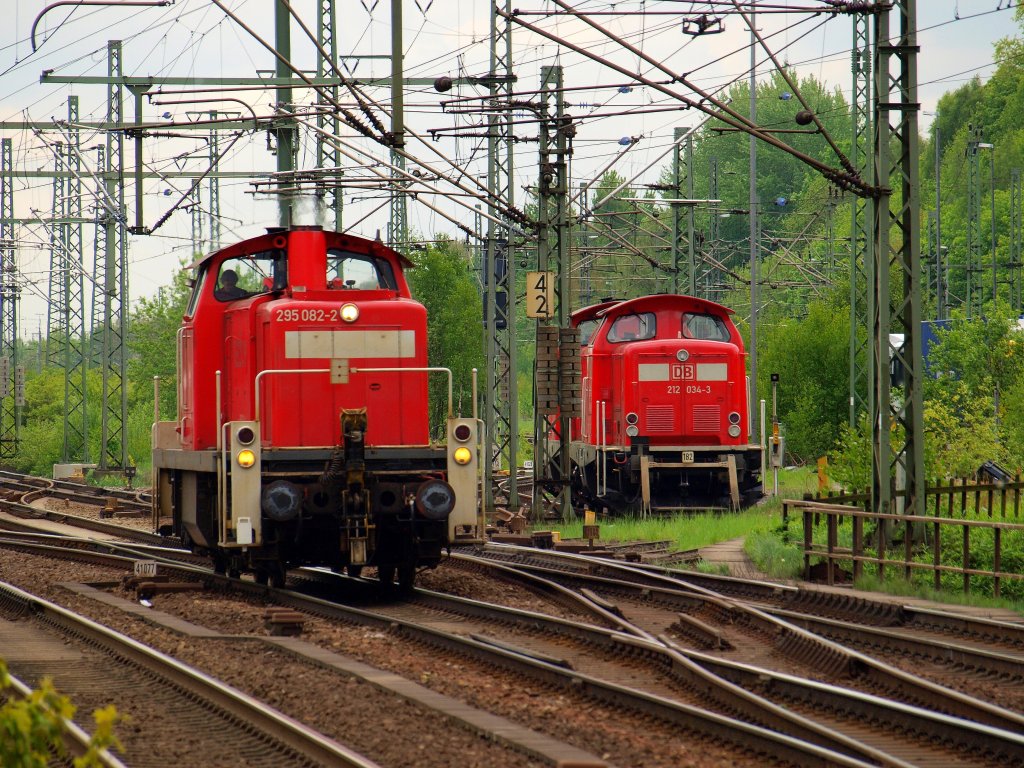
x=31 y=728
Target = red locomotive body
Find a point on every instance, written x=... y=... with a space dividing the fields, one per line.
x=665 y=407
x=302 y=433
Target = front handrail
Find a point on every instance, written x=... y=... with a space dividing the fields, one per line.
x=428 y=369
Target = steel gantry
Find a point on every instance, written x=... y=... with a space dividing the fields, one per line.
x=1015 y=241
x=398 y=220
x=501 y=401
x=66 y=340
x=861 y=217
x=975 y=267
x=897 y=248
x=554 y=346
x=684 y=274
x=113 y=256
x=11 y=373
x=327 y=155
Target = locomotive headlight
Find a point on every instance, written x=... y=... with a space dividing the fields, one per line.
x=734 y=418
x=632 y=430
x=632 y=418
x=246 y=458
x=734 y=430
x=462 y=455
x=349 y=313
x=682 y=355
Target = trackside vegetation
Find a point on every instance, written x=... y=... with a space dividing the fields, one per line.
x=32 y=727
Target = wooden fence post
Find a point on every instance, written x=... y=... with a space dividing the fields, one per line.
x=997 y=560
x=858 y=546
x=967 y=558
x=807 y=544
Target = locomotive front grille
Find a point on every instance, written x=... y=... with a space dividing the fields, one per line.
x=707 y=418
x=660 y=418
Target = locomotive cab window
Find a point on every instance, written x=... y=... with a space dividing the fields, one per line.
x=347 y=270
x=705 y=327
x=587 y=329
x=633 y=328
x=197 y=290
x=251 y=275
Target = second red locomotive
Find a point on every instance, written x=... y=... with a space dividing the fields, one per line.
x=302 y=435
x=665 y=407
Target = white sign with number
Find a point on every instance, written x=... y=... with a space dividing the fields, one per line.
x=145 y=568
x=540 y=294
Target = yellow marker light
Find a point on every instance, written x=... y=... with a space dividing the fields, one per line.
x=349 y=313
x=246 y=458
x=462 y=455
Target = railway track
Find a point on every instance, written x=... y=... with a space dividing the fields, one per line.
x=550 y=680
x=75 y=491
x=776 y=639
x=656 y=643
x=670 y=677
x=21 y=498
x=206 y=719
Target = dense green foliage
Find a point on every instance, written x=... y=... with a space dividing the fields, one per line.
x=444 y=282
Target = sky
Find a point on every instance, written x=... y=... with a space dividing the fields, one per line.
x=195 y=38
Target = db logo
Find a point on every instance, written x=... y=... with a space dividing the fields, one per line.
x=683 y=372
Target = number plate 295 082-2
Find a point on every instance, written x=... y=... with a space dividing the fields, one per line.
x=686 y=457
x=145 y=568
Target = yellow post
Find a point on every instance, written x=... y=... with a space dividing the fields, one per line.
x=823 y=484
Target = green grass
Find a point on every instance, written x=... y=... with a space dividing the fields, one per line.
x=687 y=530
x=901 y=587
x=692 y=530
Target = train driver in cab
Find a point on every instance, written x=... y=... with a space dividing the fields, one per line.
x=228 y=288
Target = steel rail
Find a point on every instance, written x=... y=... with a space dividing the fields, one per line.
x=857 y=663
x=25 y=511
x=287 y=731
x=766 y=741
x=730 y=686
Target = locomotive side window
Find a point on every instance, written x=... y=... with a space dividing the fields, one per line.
x=250 y=275
x=633 y=328
x=587 y=328
x=358 y=271
x=197 y=289
x=706 y=327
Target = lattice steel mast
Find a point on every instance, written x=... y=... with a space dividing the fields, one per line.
x=860 y=218
x=501 y=401
x=11 y=400
x=327 y=155
x=113 y=256
x=897 y=246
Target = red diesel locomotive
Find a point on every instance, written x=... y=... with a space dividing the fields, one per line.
x=302 y=435
x=665 y=407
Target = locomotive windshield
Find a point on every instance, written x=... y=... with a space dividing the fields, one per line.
x=359 y=271
x=633 y=328
x=706 y=327
x=250 y=275
x=587 y=328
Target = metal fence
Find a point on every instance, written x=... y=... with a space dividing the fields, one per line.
x=955 y=503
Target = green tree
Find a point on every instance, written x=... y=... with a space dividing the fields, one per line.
x=811 y=357
x=32 y=727
x=444 y=282
x=153 y=344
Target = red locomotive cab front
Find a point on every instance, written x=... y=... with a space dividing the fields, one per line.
x=300 y=327
x=667 y=370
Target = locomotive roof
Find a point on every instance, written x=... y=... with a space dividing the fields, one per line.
x=254 y=244
x=622 y=306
